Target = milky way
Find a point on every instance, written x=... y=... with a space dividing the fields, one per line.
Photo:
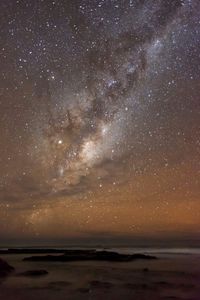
x=99 y=100
x=84 y=127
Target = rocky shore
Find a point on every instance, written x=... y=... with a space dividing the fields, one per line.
x=90 y=255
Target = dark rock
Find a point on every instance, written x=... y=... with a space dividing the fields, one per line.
x=84 y=290
x=33 y=273
x=136 y=286
x=163 y=282
x=5 y=268
x=171 y=297
x=145 y=270
x=60 y=283
x=81 y=255
x=100 y=284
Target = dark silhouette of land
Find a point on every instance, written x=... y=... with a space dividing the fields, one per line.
x=84 y=255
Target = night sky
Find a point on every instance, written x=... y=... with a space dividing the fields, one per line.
x=99 y=120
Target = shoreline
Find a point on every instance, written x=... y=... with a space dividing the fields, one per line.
x=174 y=277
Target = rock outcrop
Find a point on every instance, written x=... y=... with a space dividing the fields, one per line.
x=33 y=273
x=5 y=268
x=81 y=255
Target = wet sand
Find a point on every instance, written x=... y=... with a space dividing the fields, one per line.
x=172 y=276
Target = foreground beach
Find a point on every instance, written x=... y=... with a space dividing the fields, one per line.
x=171 y=276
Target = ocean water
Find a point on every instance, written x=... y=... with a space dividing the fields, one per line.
x=127 y=250
x=167 y=251
x=179 y=267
